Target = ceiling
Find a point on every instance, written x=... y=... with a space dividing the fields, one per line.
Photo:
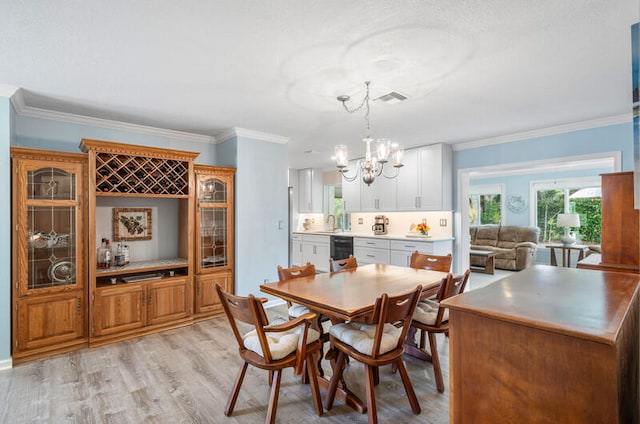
x=471 y=69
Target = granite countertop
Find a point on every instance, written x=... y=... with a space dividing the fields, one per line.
x=416 y=237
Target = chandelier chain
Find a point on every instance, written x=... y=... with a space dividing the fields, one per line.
x=365 y=101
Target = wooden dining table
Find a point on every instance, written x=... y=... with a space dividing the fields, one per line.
x=350 y=295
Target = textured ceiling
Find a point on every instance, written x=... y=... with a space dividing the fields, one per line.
x=470 y=69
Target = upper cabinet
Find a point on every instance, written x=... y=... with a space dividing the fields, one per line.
x=425 y=182
x=49 y=245
x=310 y=191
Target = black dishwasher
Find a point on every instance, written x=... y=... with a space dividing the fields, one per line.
x=341 y=247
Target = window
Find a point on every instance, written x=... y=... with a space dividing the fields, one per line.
x=581 y=196
x=485 y=204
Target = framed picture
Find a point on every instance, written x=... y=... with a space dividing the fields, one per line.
x=131 y=224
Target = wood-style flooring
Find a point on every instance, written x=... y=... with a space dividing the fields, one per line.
x=185 y=376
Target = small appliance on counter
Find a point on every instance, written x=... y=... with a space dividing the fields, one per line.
x=380 y=225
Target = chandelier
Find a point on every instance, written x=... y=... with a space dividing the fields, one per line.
x=371 y=166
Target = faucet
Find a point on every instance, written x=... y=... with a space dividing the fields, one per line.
x=333 y=225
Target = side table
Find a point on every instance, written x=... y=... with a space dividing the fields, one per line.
x=566 y=253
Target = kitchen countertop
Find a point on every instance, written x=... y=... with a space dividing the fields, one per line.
x=384 y=236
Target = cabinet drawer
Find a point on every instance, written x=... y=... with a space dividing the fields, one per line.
x=372 y=256
x=296 y=237
x=412 y=246
x=316 y=239
x=371 y=243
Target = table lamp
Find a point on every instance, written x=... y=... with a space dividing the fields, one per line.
x=568 y=221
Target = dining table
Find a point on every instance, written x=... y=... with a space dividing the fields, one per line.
x=350 y=295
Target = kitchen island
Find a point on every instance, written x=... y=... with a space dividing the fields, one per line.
x=547 y=344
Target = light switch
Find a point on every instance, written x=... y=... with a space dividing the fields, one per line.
x=443 y=222
x=359 y=220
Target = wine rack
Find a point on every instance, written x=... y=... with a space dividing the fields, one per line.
x=120 y=173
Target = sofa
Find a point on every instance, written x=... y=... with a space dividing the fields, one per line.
x=516 y=247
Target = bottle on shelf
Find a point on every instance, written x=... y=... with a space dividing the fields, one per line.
x=104 y=255
x=118 y=258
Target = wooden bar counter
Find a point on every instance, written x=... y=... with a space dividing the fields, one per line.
x=547 y=345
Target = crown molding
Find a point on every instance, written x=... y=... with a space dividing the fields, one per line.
x=8 y=91
x=545 y=132
x=33 y=112
x=254 y=135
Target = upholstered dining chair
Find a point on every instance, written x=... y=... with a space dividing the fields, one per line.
x=272 y=347
x=342 y=264
x=433 y=318
x=285 y=274
x=430 y=262
x=376 y=344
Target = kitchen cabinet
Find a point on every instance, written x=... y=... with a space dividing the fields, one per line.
x=401 y=250
x=351 y=189
x=380 y=196
x=156 y=293
x=371 y=250
x=296 y=250
x=315 y=249
x=48 y=253
x=214 y=241
x=426 y=181
x=310 y=191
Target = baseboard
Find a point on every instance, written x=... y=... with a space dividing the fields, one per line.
x=6 y=364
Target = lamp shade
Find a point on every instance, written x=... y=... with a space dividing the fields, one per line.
x=568 y=220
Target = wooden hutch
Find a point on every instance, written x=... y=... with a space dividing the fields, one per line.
x=65 y=203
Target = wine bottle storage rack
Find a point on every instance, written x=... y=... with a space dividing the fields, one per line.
x=118 y=173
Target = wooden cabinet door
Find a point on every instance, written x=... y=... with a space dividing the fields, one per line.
x=207 y=300
x=168 y=300
x=119 y=309
x=49 y=320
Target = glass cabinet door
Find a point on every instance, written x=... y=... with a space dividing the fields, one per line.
x=48 y=214
x=214 y=222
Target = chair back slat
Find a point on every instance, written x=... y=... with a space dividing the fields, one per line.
x=451 y=286
x=285 y=274
x=397 y=310
x=342 y=264
x=431 y=262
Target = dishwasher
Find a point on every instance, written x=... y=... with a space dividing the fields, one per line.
x=341 y=247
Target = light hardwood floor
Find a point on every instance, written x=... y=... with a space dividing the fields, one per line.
x=185 y=376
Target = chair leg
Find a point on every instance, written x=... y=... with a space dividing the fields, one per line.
x=312 y=368
x=369 y=383
x=376 y=376
x=273 y=399
x=233 y=397
x=437 y=370
x=408 y=387
x=270 y=378
x=423 y=339
x=335 y=379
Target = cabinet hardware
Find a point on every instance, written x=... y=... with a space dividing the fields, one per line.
x=150 y=298
x=79 y=308
x=314 y=249
x=370 y=242
x=16 y=227
x=371 y=256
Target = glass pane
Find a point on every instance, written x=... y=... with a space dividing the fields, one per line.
x=491 y=209
x=549 y=204
x=213 y=237
x=52 y=184
x=213 y=190
x=51 y=258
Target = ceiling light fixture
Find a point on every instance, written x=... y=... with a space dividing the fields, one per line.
x=370 y=166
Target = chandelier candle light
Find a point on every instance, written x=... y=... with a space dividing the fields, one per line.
x=371 y=166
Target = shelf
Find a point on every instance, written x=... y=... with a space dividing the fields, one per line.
x=142 y=266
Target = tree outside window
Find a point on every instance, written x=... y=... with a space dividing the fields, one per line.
x=485 y=209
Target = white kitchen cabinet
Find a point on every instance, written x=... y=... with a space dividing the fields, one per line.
x=426 y=181
x=371 y=250
x=310 y=191
x=296 y=250
x=401 y=250
x=351 y=189
x=380 y=196
x=315 y=249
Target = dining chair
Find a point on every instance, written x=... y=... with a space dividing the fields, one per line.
x=375 y=344
x=433 y=318
x=285 y=274
x=342 y=264
x=430 y=262
x=272 y=347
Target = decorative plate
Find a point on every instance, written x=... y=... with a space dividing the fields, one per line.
x=516 y=203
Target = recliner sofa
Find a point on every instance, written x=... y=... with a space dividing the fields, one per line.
x=516 y=247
